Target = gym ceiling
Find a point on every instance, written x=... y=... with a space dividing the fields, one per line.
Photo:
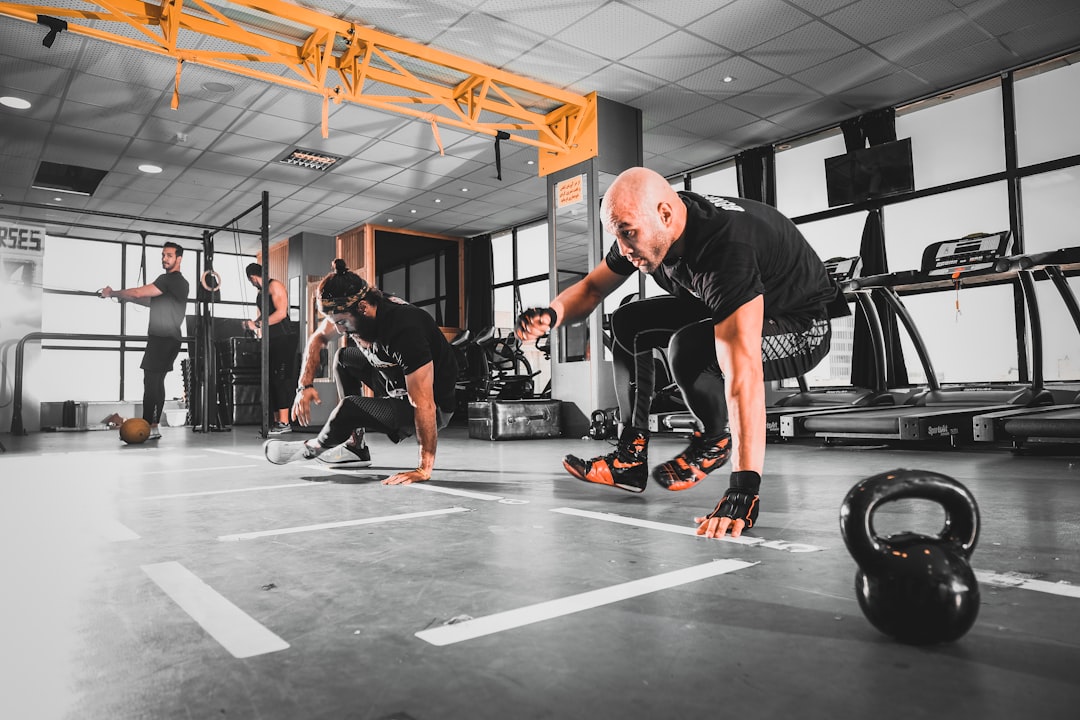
x=409 y=96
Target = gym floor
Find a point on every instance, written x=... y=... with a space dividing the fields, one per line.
x=189 y=578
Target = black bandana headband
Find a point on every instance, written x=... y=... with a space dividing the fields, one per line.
x=342 y=304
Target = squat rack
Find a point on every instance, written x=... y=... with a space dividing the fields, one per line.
x=209 y=280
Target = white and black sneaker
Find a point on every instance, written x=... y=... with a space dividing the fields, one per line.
x=281 y=452
x=346 y=455
x=279 y=428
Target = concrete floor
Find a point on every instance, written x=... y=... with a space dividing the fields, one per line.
x=191 y=579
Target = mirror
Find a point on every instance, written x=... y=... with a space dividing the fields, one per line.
x=572 y=239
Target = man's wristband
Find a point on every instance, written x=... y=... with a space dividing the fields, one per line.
x=302 y=388
x=746 y=480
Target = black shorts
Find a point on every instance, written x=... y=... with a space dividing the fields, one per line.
x=160 y=354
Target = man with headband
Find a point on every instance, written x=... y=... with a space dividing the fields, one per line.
x=399 y=353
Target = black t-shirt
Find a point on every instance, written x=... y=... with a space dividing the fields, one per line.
x=736 y=249
x=167 y=309
x=407 y=337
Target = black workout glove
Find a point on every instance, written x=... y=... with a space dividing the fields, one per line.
x=532 y=314
x=740 y=502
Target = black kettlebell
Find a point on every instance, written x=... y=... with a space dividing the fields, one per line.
x=917 y=589
x=596 y=425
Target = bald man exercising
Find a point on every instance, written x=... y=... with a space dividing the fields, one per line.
x=748 y=303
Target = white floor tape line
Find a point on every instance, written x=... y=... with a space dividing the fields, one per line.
x=689 y=530
x=478 y=627
x=340 y=524
x=1018 y=581
x=230 y=626
x=234 y=490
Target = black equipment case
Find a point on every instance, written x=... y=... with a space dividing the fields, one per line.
x=515 y=419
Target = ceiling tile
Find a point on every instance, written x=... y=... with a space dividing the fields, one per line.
x=949 y=69
x=486 y=39
x=803 y=47
x=21 y=137
x=542 y=18
x=1001 y=18
x=566 y=63
x=619 y=82
x=820 y=7
x=746 y=23
x=870 y=20
x=713 y=121
x=39 y=78
x=615 y=31
x=1036 y=41
x=846 y=71
x=884 y=91
x=113 y=94
x=668 y=103
x=774 y=97
x=746 y=75
x=679 y=13
x=87 y=148
x=676 y=56
x=928 y=40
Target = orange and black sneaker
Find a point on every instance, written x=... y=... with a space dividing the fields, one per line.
x=627 y=468
x=701 y=457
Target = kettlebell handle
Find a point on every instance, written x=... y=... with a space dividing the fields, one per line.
x=856 y=514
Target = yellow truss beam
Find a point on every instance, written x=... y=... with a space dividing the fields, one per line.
x=281 y=43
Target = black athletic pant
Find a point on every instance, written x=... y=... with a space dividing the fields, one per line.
x=685 y=329
x=283 y=370
x=392 y=413
x=157 y=362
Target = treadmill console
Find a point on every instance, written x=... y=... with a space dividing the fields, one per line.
x=968 y=254
x=842 y=269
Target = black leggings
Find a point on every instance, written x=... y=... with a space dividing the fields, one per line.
x=153 y=399
x=685 y=328
x=283 y=370
x=391 y=413
x=157 y=361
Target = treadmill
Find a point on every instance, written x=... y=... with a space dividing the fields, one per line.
x=843 y=271
x=938 y=414
x=1055 y=424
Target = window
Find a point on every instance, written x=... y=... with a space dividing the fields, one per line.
x=1047 y=105
x=800 y=174
x=956 y=139
x=719 y=180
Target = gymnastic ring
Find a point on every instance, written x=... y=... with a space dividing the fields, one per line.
x=206 y=285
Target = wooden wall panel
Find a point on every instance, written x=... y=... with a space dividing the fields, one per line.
x=352 y=247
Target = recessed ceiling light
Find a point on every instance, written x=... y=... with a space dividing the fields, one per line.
x=531 y=162
x=413 y=211
x=14 y=102
x=728 y=78
x=438 y=200
x=389 y=220
x=151 y=169
x=217 y=87
x=464 y=189
x=58 y=199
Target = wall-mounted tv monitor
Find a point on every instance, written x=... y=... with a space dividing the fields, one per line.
x=873 y=172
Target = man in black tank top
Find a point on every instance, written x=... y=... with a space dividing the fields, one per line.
x=748 y=303
x=283 y=342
